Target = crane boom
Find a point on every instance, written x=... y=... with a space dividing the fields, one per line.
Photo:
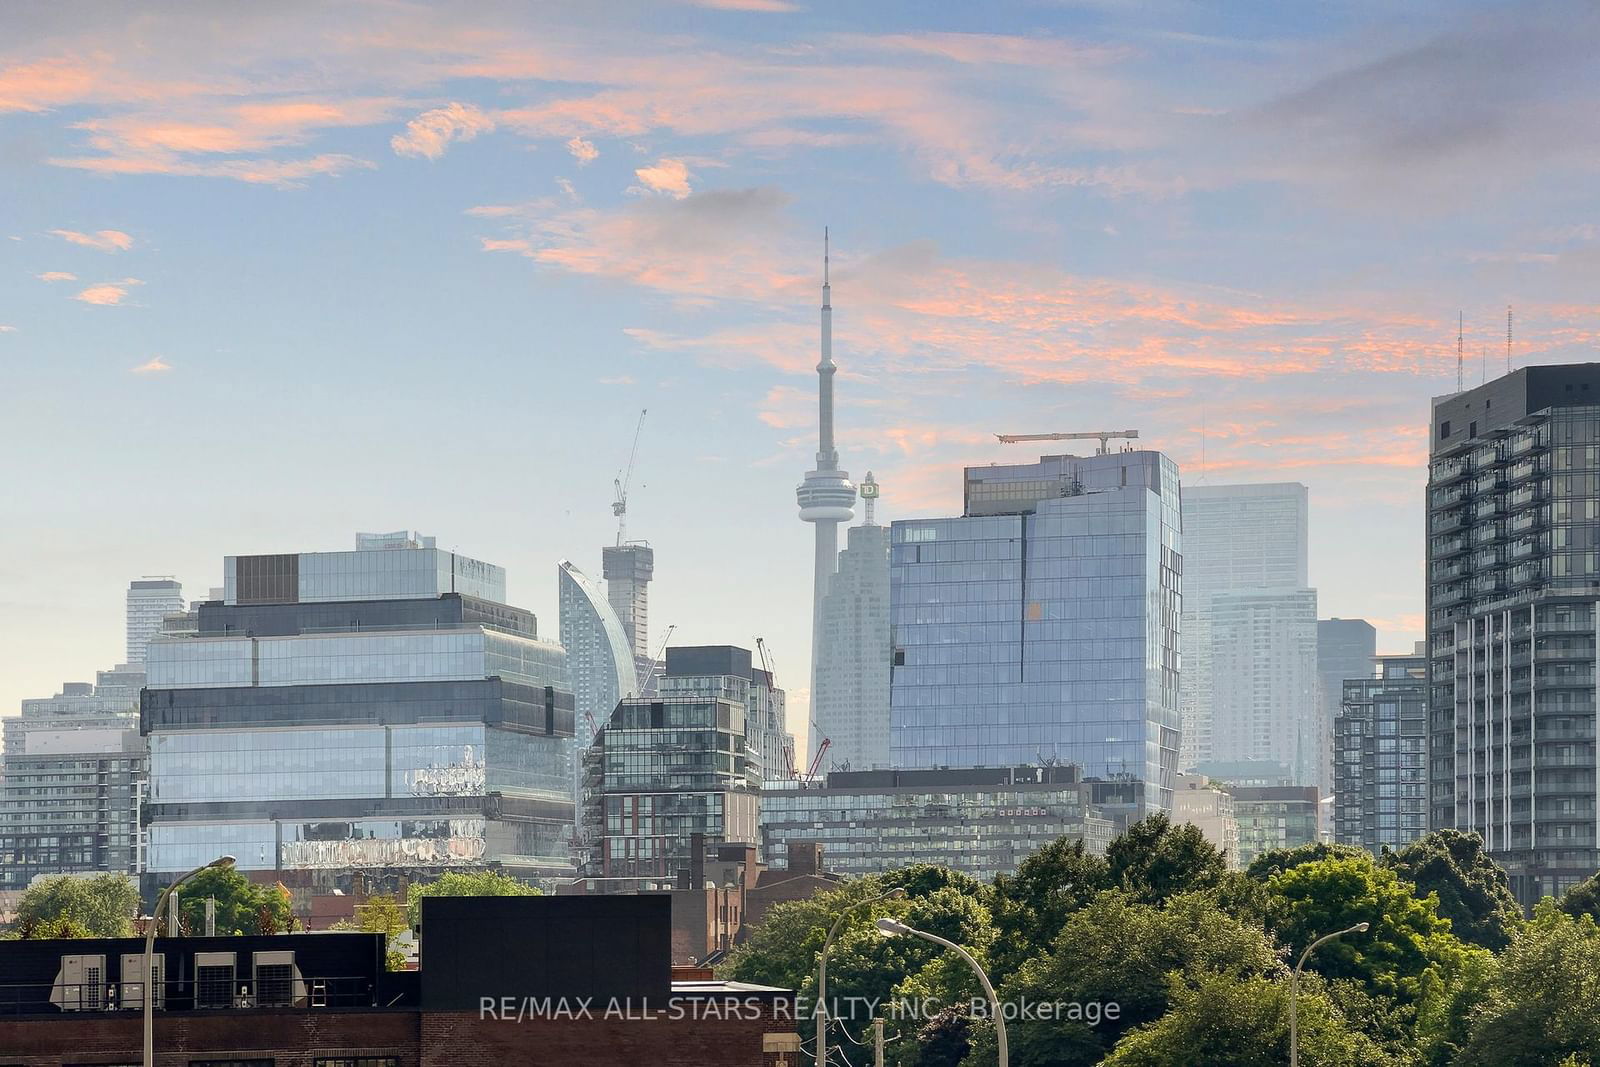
x=619 y=503
x=650 y=675
x=1103 y=436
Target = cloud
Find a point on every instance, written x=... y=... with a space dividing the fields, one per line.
x=583 y=151
x=156 y=365
x=57 y=276
x=284 y=173
x=773 y=7
x=430 y=133
x=669 y=176
x=621 y=379
x=514 y=244
x=8 y=329
x=43 y=85
x=101 y=241
x=107 y=294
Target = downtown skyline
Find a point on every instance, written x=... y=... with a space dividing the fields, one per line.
x=406 y=274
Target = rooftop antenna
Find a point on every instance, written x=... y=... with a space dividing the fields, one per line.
x=1508 y=338
x=1461 y=319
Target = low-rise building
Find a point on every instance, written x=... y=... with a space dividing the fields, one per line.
x=514 y=981
x=1209 y=808
x=1274 y=817
x=981 y=821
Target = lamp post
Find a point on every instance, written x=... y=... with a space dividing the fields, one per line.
x=149 y=957
x=1294 y=989
x=822 y=969
x=890 y=928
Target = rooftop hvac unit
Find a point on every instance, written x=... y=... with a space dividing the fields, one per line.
x=80 y=984
x=213 y=979
x=134 y=984
x=278 y=983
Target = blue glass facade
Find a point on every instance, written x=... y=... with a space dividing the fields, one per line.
x=374 y=736
x=1048 y=633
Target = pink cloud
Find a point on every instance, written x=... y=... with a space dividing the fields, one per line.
x=107 y=294
x=57 y=276
x=156 y=365
x=669 y=176
x=430 y=133
x=43 y=85
x=511 y=245
x=583 y=151
x=286 y=173
x=100 y=241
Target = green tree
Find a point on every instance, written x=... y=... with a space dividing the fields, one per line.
x=465 y=884
x=1474 y=892
x=1155 y=860
x=102 y=905
x=1583 y=899
x=243 y=907
x=1318 y=898
x=52 y=929
x=1544 y=1002
x=865 y=964
x=1223 y=1020
x=921 y=879
x=1278 y=860
x=1120 y=952
x=1031 y=906
x=381 y=914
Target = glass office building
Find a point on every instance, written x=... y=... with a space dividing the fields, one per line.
x=1043 y=623
x=1381 y=755
x=1513 y=605
x=980 y=821
x=408 y=728
x=663 y=778
x=599 y=657
x=1249 y=628
x=850 y=705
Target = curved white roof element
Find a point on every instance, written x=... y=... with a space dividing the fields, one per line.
x=599 y=657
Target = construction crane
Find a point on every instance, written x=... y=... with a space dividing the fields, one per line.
x=1103 y=436
x=619 y=503
x=650 y=675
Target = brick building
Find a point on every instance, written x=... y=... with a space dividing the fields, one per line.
x=504 y=980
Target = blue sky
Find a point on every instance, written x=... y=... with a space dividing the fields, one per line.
x=270 y=274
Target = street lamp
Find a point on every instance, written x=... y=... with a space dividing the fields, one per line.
x=890 y=928
x=1294 y=990
x=822 y=969
x=149 y=958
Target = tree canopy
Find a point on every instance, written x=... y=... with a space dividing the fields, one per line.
x=102 y=905
x=1162 y=956
x=243 y=906
x=1474 y=893
x=465 y=884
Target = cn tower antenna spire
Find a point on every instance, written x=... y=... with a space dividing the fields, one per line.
x=826 y=496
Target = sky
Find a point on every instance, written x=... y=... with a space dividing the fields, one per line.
x=274 y=273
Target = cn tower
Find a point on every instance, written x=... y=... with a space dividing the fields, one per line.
x=827 y=496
